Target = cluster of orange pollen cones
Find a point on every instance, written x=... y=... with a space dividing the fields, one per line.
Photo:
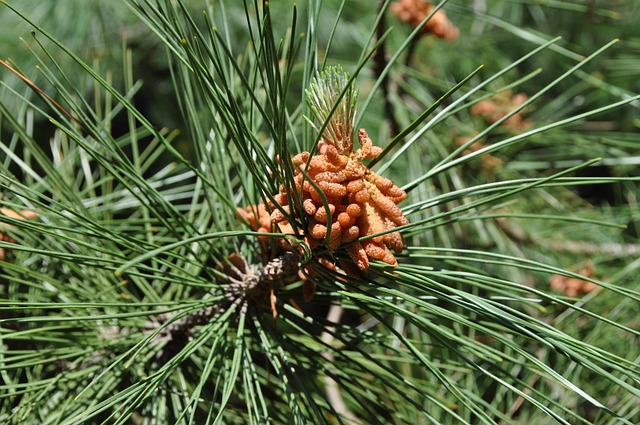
x=359 y=211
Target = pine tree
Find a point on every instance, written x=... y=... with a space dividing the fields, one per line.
x=340 y=231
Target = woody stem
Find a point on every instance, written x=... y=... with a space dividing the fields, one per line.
x=380 y=64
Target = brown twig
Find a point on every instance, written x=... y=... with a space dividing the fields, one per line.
x=333 y=390
x=242 y=285
x=380 y=63
x=41 y=92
